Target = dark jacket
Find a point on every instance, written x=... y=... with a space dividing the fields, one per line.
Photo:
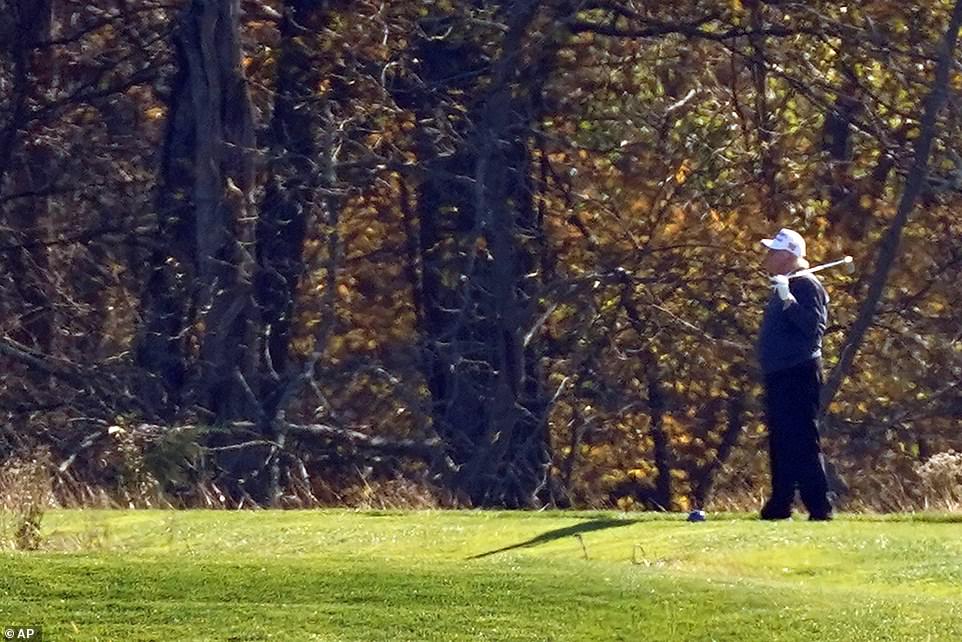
x=793 y=335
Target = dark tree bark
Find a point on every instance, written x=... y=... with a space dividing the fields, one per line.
x=26 y=164
x=207 y=176
x=852 y=201
x=290 y=198
x=301 y=168
x=223 y=179
x=733 y=428
x=477 y=241
x=165 y=303
x=656 y=414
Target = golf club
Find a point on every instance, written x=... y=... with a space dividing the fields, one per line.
x=848 y=262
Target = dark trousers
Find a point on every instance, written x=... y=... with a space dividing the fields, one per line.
x=791 y=406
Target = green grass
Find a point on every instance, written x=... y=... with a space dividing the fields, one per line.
x=343 y=575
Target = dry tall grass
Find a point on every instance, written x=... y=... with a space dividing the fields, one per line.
x=25 y=495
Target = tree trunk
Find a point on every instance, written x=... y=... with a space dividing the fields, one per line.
x=852 y=200
x=656 y=414
x=26 y=164
x=291 y=189
x=475 y=219
x=161 y=347
x=223 y=179
x=300 y=167
x=733 y=428
x=207 y=176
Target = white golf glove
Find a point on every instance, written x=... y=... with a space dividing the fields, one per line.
x=780 y=285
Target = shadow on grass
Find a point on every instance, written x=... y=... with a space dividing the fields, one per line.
x=558 y=533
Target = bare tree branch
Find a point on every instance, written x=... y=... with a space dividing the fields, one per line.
x=888 y=251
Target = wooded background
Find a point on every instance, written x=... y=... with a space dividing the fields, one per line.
x=502 y=252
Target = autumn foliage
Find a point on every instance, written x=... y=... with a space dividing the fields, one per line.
x=503 y=253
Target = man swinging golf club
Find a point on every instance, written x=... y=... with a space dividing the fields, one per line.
x=790 y=351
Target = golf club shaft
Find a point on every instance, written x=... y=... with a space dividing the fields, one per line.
x=819 y=268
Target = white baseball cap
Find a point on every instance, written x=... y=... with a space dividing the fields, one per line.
x=787 y=240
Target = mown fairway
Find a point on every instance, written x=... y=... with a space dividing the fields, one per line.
x=342 y=575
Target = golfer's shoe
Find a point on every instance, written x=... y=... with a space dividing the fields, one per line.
x=769 y=512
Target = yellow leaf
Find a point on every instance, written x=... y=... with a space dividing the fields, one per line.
x=683 y=171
